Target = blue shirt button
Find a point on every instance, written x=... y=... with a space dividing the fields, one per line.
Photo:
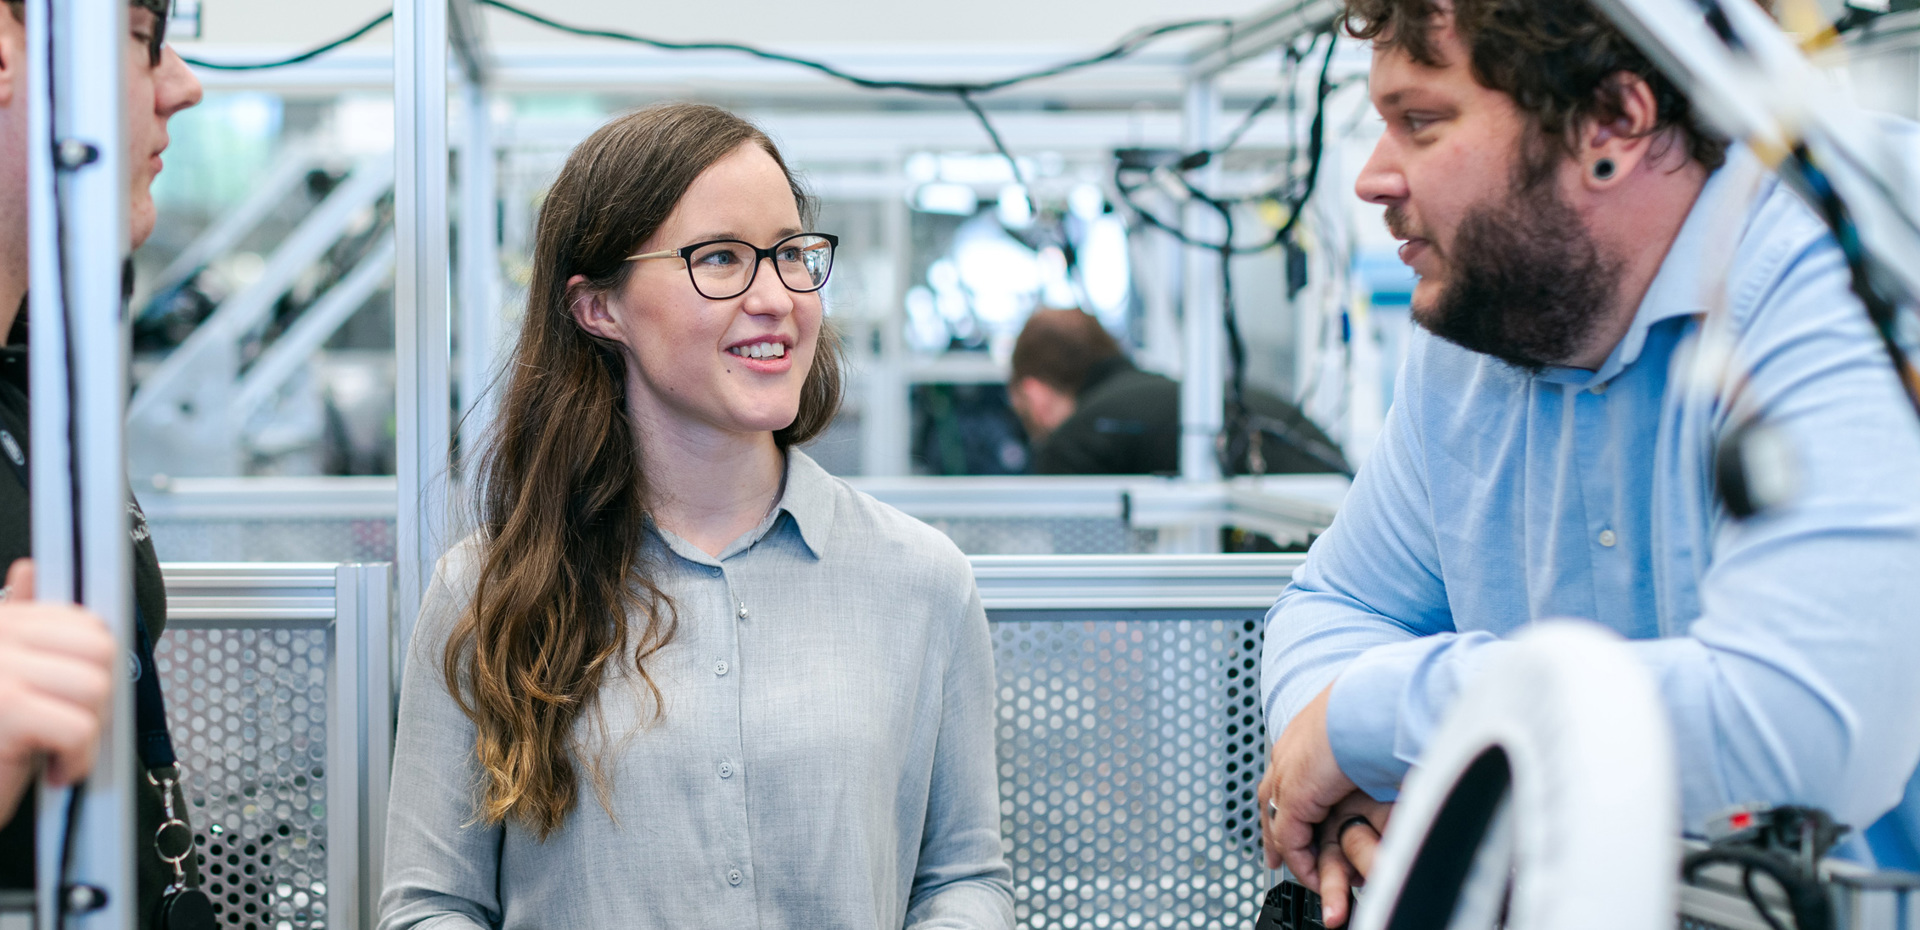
x=733 y=876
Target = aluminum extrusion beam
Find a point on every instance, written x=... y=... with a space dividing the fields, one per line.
x=78 y=97
x=315 y=326
x=1071 y=587
x=288 y=171
x=422 y=345
x=479 y=266
x=185 y=369
x=1271 y=28
x=1202 y=393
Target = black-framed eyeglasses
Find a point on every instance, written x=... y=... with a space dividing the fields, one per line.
x=723 y=269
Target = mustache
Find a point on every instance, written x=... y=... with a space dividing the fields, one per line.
x=1398 y=226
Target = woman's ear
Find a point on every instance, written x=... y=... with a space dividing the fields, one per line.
x=593 y=310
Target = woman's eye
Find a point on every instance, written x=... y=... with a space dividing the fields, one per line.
x=788 y=254
x=720 y=257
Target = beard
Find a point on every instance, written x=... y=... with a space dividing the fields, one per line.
x=1530 y=286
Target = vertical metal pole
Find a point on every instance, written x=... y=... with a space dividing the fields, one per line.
x=1202 y=389
x=420 y=293
x=78 y=166
x=479 y=271
x=886 y=417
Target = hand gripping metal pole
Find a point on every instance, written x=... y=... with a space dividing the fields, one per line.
x=80 y=239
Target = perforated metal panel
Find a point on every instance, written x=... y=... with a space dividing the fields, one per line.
x=1129 y=752
x=274 y=540
x=249 y=717
x=1044 y=535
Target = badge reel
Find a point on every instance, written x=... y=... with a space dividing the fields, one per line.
x=181 y=906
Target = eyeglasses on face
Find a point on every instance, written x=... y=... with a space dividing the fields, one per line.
x=722 y=269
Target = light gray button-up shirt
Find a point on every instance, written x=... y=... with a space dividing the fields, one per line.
x=824 y=756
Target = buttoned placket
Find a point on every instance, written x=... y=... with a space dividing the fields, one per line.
x=1597 y=456
x=727 y=772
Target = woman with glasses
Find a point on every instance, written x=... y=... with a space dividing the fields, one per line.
x=680 y=676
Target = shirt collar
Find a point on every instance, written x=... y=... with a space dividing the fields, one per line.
x=808 y=498
x=1680 y=287
x=807 y=495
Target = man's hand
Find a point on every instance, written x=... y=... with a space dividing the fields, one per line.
x=1348 y=839
x=56 y=675
x=1301 y=786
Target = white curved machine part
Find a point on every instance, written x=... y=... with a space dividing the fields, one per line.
x=1549 y=795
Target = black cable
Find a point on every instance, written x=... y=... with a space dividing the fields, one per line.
x=1806 y=897
x=966 y=98
x=307 y=55
x=1881 y=310
x=1295 y=202
x=1133 y=42
x=1246 y=123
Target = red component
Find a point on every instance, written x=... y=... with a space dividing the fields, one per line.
x=1741 y=821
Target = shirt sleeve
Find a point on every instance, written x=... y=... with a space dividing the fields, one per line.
x=962 y=880
x=1370 y=585
x=442 y=866
x=1795 y=684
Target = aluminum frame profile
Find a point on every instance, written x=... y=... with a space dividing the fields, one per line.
x=289 y=171
x=1271 y=28
x=422 y=337
x=78 y=221
x=185 y=368
x=317 y=323
x=1086 y=587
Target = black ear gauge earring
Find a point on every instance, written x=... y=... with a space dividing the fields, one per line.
x=1603 y=169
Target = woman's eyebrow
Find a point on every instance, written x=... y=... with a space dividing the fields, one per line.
x=782 y=233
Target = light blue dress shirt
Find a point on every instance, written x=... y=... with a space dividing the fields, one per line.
x=1787 y=647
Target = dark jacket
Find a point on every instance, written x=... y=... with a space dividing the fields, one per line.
x=1127 y=422
x=149 y=593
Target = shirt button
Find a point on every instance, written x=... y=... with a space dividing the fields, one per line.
x=743 y=611
x=1600 y=388
x=726 y=770
x=713 y=569
x=720 y=667
x=1607 y=538
x=733 y=876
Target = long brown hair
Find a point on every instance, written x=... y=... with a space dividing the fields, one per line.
x=560 y=491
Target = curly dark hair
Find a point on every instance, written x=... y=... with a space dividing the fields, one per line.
x=1557 y=59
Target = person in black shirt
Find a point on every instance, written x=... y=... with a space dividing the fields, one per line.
x=1089 y=411
x=57 y=661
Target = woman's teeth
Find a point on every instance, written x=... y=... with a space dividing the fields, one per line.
x=760 y=350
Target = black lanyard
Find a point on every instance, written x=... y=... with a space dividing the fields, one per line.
x=149 y=706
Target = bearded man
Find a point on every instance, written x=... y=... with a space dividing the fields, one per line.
x=1550 y=452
